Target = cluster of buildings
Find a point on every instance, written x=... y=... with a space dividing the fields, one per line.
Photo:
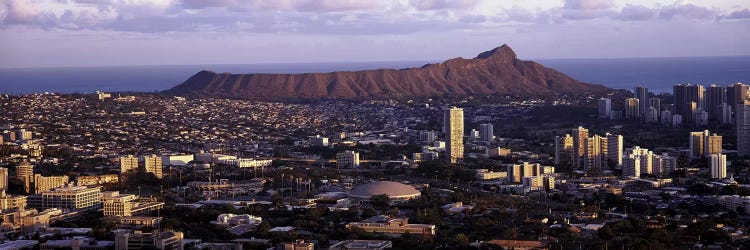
x=692 y=104
x=582 y=151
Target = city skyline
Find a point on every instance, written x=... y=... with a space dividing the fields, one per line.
x=84 y=33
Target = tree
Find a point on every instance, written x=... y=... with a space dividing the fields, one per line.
x=461 y=239
x=606 y=233
x=380 y=201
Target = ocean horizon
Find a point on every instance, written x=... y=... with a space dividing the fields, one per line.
x=658 y=74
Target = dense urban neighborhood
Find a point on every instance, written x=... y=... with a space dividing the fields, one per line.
x=145 y=171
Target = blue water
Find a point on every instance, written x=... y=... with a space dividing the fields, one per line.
x=658 y=74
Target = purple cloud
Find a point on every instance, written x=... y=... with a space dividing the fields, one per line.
x=687 y=11
x=589 y=4
x=443 y=4
x=740 y=14
x=636 y=13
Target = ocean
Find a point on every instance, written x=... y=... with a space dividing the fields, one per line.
x=658 y=74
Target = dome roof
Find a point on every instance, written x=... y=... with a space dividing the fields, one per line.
x=392 y=189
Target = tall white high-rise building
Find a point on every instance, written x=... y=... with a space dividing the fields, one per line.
x=347 y=159
x=592 y=159
x=453 y=119
x=564 y=149
x=605 y=108
x=697 y=144
x=641 y=93
x=718 y=166
x=631 y=166
x=664 y=165
x=3 y=178
x=743 y=128
x=153 y=165
x=428 y=137
x=486 y=132
x=580 y=138
x=128 y=163
x=638 y=161
x=614 y=149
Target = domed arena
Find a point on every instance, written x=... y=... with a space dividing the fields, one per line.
x=396 y=191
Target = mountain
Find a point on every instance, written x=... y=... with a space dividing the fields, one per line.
x=497 y=71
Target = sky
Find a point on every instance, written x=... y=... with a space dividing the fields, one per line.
x=53 y=33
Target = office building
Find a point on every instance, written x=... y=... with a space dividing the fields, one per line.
x=347 y=159
x=116 y=204
x=128 y=163
x=25 y=173
x=11 y=202
x=76 y=198
x=718 y=166
x=641 y=93
x=632 y=109
x=453 y=119
x=605 y=108
x=743 y=128
x=153 y=165
x=46 y=183
x=486 y=132
x=580 y=138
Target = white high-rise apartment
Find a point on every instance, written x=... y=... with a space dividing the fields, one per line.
x=453 y=119
x=486 y=132
x=718 y=166
x=743 y=128
x=153 y=165
x=128 y=163
x=605 y=108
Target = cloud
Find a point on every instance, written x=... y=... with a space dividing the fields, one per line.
x=740 y=14
x=327 y=16
x=636 y=13
x=589 y=4
x=687 y=11
x=443 y=4
x=284 y=5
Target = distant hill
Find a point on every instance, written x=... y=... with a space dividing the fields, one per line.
x=497 y=71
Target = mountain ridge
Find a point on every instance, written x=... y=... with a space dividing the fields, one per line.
x=496 y=71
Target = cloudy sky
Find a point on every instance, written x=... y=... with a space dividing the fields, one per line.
x=41 y=33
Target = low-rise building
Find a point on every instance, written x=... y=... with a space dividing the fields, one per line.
x=362 y=245
x=393 y=226
x=92 y=180
x=167 y=240
x=75 y=198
